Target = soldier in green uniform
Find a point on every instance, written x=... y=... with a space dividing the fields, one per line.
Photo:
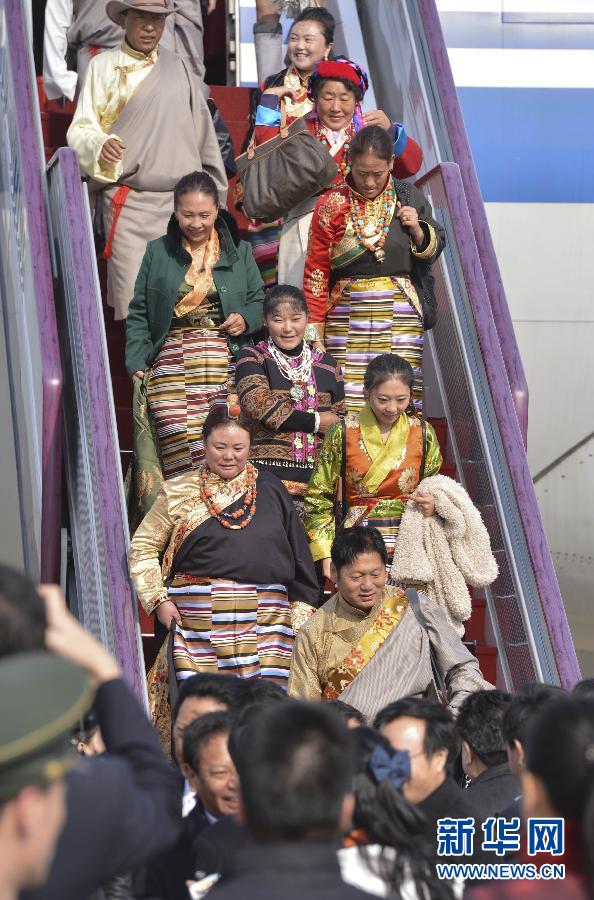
x=42 y=698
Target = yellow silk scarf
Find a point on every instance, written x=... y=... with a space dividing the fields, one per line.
x=142 y=62
x=386 y=455
x=393 y=608
x=199 y=277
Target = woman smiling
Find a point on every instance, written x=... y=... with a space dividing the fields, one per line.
x=236 y=565
x=388 y=452
x=292 y=390
x=337 y=87
x=373 y=241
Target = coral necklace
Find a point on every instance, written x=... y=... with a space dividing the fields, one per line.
x=247 y=511
x=343 y=165
x=371 y=219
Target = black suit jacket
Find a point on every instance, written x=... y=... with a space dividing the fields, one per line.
x=121 y=807
x=215 y=847
x=286 y=872
x=493 y=790
x=166 y=874
x=450 y=801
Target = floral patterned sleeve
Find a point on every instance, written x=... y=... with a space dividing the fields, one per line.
x=318 y=513
x=149 y=541
x=434 y=459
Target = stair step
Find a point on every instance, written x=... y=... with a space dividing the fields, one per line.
x=475 y=627
x=440 y=426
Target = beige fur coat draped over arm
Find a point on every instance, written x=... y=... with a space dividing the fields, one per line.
x=447 y=551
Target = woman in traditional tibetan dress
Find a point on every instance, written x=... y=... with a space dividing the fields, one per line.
x=372 y=241
x=198 y=297
x=293 y=392
x=237 y=574
x=310 y=41
x=389 y=450
x=337 y=87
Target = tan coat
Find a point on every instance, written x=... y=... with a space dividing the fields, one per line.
x=400 y=668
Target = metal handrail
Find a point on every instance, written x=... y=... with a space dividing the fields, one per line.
x=525 y=606
x=37 y=371
x=105 y=599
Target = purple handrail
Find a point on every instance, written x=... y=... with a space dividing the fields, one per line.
x=550 y=598
x=102 y=435
x=51 y=368
x=448 y=97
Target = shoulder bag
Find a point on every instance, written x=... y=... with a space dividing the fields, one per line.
x=341 y=506
x=438 y=687
x=422 y=276
x=284 y=171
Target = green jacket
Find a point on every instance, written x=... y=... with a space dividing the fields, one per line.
x=165 y=263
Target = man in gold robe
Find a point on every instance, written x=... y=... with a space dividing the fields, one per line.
x=141 y=123
x=373 y=643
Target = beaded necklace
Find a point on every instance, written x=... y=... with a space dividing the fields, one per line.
x=371 y=219
x=321 y=135
x=303 y=393
x=247 y=511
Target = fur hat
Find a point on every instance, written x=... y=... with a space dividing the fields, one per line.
x=115 y=8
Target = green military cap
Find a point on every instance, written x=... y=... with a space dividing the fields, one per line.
x=42 y=696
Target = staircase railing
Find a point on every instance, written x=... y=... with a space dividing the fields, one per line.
x=33 y=373
x=525 y=606
x=413 y=82
x=97 y=512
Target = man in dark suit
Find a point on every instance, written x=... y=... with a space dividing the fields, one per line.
x=484 y=752
x=121 y=807
x=211 y=775
x=295 y=763
x=517 y=720
x=427 y=731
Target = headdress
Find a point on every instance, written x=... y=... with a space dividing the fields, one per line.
x=338 y=68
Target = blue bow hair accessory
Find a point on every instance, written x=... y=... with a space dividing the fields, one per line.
x=395 y=768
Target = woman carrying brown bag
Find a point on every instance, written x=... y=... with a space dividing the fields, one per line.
x=336 y=87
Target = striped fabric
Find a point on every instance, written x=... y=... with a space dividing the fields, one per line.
x=264 y=238
x=372 y=316
x=194 y=368
x=228 y=627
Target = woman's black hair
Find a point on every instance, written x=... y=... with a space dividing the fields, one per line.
x=560 y=752
x=386 y=366
x=372 y=139
x=324 y=19
x=283 y=293
x=195 y=183
x=390 y=821
x=219 y=415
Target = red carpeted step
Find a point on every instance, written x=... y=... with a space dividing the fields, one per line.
x=487 y=657
x=475 y=627
x=440 y=426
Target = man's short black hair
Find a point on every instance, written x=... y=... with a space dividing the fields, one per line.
x=261 y=691
x=480 y=724
x=440 y=728
x=23 y=619
x=351 y=542
x=524 y=706
x=199 y=732
x=226 y=689
x=347 y=711
x=584 y=689
x=295 y=763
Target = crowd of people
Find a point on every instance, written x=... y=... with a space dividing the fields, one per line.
x=317 y=725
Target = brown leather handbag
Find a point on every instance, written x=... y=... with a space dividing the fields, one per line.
x=284 y=171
